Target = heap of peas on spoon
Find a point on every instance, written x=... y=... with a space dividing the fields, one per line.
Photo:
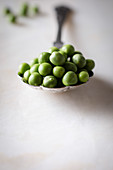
x=57 y=68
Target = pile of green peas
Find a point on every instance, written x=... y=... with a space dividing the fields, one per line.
x=57 y=68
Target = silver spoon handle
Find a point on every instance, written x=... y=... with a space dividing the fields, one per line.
x=61 y=13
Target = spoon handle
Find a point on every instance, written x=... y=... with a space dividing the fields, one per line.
x=61 y=13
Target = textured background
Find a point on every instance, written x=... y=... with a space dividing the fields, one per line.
x=69 y=131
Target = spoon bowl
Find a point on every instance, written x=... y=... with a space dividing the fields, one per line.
x=61 y=12
x=53 y=90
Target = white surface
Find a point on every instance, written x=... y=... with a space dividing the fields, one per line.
x=69 y=131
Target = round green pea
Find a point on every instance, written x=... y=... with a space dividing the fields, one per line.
x=7 y=11
x=69 y=66
x=50 y=81
x=23 y=67
x=34 y=68
x=44 y=57
x=64 y=54
x=35 y=9
x=45 y=69
x=79 y=60
x=57 y=58
x=68 y=49
x=83 y=76
x=20 y=74
x=58 y=71
x=24 y=80
x=52 y=49
x=33 y=61
x=12 y=18
x=35 y=79
x=90 y=64
x=70 y=78
x=27 y=75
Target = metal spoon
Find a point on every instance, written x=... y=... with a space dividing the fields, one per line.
x=61 y=12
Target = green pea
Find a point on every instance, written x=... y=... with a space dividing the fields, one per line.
x=79 y=60
x=83 y=76
x=58 y=71
x=68 y=49
x=23 y=67
x=45 y=69
x=44 y=57
x=24 y=9
x=57 y=58
x=33 y=61
x=69 y=66
x=24 y=80
x=50 y=81
x=34 y=68
x=12 y=18
x=20 y=74
x=7 y=11
x=90 y=64
x=35 y=79
x=64 y=54
x=52 y=49
x=70 y=78
x=27 y=75
x=35 y=9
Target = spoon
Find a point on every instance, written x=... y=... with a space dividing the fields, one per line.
x=61 y=12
